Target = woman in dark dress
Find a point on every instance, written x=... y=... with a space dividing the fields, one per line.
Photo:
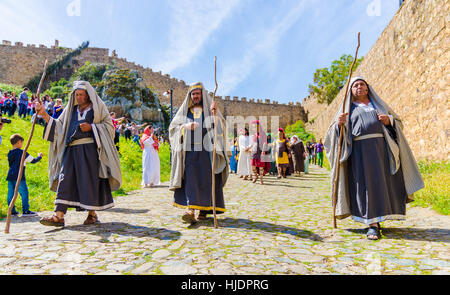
x=298 y=155
x=374 y=158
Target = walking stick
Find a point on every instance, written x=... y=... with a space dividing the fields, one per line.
x=22 y=160
x=214 y=150
x=338 y=164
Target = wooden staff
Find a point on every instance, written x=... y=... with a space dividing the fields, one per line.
x=338 y=164
x=22 y=160
x=214 y=150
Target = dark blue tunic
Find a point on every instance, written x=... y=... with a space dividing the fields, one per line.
x=79 y=184
x=375 y=194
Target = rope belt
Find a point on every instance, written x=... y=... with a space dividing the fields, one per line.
x=82 y=141
x=367 y=136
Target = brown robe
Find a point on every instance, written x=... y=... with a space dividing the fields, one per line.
x=298 y=157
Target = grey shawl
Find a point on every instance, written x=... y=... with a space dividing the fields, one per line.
x=103 y=130
x=179 y=146
x=399 y=153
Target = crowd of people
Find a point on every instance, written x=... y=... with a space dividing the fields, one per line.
x=374 y=151
x=253 y=157
x=25 y=104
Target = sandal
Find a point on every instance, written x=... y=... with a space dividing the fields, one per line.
x=202 y=216
x=91 y=219
x=373 y=231
x=189 y=217
x=52 y=221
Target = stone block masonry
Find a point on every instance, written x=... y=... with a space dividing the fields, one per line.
x=409 y=68
x=18 y=64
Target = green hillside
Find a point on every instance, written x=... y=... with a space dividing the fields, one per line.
x=41 y=198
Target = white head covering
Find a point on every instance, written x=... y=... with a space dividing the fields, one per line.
x=294 y=139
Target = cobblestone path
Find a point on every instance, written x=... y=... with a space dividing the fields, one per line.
x=281 y=227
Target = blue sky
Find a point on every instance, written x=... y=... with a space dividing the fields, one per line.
x=266 y=49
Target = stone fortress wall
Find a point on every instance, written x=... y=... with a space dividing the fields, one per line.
x=409 y=68
x=19 y=63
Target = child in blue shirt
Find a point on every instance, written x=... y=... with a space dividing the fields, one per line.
x=14 y=157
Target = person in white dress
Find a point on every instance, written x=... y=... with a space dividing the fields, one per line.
x=244 y=168
x=150 y=159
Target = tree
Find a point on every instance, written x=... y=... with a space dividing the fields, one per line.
x=329 y=81
x=298 y=128
x=93 y=73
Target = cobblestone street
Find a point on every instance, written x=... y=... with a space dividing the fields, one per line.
x=281 y=227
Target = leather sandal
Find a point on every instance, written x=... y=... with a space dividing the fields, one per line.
x=373 y=231
x=202 y=216
x=189 y=217
x=91 y=219
x=52 y=221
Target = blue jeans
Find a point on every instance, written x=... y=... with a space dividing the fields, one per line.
x=136 y=140
x=23 y=191
x=22 y=110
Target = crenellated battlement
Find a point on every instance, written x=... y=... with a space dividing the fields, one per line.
x=19 y=63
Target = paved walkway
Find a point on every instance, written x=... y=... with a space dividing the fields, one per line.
x=282 y=227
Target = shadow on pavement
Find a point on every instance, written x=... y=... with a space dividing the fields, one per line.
x=21 y=219
x=257 y=225
x=106 y=230
x=127 y=210
x=417 y=234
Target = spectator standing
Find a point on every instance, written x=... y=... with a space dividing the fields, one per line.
x=57 y=109
x=3 y=98
x=319 y=152
x=14 y=158
x=23 y=103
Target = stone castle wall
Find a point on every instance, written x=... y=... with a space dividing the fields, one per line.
x=312 y=108
x=19 y=63
x=409 y=68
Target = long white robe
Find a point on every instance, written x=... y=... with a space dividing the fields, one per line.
x=150 y=164
x=244 y=164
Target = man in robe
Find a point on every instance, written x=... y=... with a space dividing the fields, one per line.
x=84 y=165
x=191 y=135
x=378 y=174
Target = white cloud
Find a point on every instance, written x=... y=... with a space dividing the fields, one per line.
x=235 y=72
x=191 y=25
x=29 y=22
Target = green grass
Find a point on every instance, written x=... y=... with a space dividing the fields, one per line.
x=41 y=198
x=436 y=193
x=11 y=88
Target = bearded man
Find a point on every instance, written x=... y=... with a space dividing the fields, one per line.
x=192 y=136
